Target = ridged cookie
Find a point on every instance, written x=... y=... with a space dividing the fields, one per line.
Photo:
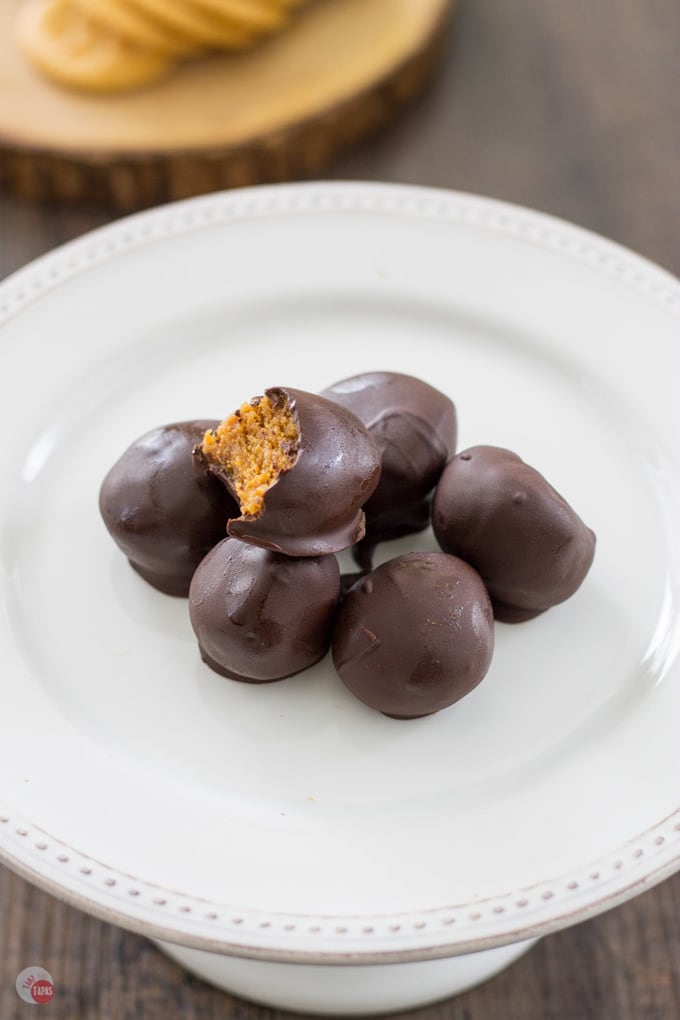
x=65 y=45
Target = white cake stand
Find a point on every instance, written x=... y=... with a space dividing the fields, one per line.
x=284 y=841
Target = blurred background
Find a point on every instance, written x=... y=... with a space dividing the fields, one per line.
x=569 y=108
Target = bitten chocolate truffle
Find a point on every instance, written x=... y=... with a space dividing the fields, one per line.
x=415 y=635
x=162 y=509
x=500 y=515
x=414 y=426
x=301 y=467
x=261 y=616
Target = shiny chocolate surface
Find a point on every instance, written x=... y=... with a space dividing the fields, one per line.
x=415 y=635
x=162 y=509
x=259 y=615
x=530 y=547
x=414 y=426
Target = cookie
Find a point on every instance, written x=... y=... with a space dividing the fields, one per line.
x=195 y=26
x=135 y=27
x=75 y=51
x=259 y=16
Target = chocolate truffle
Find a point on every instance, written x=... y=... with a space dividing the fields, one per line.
x=414 y=426
x=260 y=616
x=497 y=513
x=301 y=468
x=162 y=509
x=415 y=635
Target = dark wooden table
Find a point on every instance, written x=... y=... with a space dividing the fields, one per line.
x=572 y=108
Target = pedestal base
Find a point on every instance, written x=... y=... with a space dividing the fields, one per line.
x=346 y=990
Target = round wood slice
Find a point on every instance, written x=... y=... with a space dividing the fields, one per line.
x=280 y=111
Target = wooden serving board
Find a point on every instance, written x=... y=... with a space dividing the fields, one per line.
x=277 y=112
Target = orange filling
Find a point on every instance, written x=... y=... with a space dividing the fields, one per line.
x=254 y=446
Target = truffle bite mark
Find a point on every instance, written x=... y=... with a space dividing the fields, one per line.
x=309 y=467
x=253 y=447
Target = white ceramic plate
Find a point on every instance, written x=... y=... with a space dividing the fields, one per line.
x=289 y=821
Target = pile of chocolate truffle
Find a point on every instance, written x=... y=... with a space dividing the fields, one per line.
x=245 y=516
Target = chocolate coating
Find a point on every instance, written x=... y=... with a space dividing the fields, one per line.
x=414 y=426
x=499 y=514
x=314 y=508
x=261 y=616
x=162 y=509
x=415 y=635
